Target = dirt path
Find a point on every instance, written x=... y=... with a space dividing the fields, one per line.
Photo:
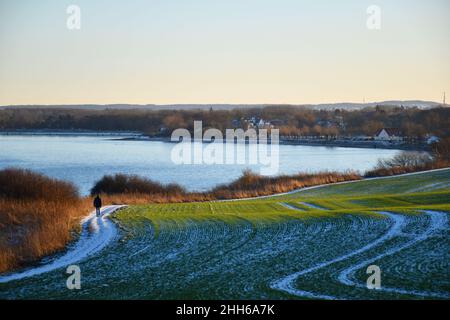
x=96 y=234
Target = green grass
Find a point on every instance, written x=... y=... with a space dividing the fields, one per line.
x=389 y=186
x=357 y=197
x=235 y=249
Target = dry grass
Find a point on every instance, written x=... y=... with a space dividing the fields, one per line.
x=253 y=185
x=37 y=216
x=116 y=190
x=407 y=162
x=141 y=198
x=384 y=171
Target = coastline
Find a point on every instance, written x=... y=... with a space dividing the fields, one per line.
x=138 y=136
x=359 y=144
x=69 y=133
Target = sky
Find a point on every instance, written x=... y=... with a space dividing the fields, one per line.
x=227 y=51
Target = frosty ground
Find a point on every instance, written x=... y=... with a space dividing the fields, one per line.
x=315 y=243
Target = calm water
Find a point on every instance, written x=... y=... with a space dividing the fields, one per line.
x=83 y=160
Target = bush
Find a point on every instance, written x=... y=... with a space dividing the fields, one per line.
x=37 y=215
x=27 y=185
x=442 y=149
x=406 y=162
x=132 y=184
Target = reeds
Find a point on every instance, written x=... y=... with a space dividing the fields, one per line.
x=37 y=216
x=121 y=189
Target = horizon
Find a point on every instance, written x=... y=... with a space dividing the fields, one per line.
x=229 y=104
x=234 y=52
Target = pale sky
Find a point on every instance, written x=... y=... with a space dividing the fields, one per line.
x=223 y=51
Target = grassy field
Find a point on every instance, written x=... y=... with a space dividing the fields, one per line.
x=315 y=243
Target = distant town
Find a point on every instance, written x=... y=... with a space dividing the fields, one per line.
x=409 y=126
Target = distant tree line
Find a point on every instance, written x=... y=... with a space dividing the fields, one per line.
x=292 y=121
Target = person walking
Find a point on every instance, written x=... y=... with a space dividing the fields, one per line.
x=97 y=205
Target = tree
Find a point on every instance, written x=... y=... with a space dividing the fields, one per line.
x=442 y=149
x=405 y=160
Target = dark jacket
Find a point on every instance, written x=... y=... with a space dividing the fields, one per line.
x=97 y=202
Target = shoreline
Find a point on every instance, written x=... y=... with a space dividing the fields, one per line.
x=138 y=136
x=358 y=144
x=70 y=133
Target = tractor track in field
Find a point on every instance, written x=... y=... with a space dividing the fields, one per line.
x=287 y=283
x=438 y=221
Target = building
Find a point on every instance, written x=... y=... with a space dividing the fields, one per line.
x=389 y=134
x=258 y=123
x=432 y=139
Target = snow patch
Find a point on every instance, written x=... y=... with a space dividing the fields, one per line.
x=97 y=233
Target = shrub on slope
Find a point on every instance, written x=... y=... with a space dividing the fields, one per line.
x=132 y=189
x=37 y=215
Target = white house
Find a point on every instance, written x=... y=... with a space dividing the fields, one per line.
x=255 y=122
x=389 y=134
x=433 y=139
